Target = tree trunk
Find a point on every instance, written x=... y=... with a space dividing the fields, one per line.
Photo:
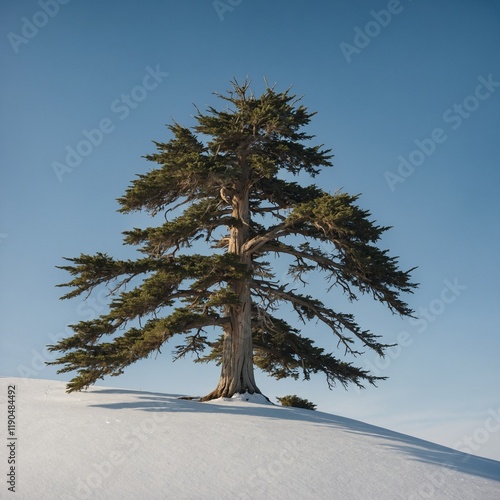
x=237 y=357
x=237 y=375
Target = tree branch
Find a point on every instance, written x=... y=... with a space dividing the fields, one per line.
x=308 y=308
x=278 y=231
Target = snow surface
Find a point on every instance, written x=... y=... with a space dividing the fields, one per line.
x=121 y=444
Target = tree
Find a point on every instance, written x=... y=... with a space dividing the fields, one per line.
x=233 y=190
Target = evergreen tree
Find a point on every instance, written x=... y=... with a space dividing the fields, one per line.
x=232 y=190
x=296 y=402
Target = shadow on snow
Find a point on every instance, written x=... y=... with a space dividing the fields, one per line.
x=417 y=449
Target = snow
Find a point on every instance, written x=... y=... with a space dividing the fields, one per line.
x=111 y=443
x=243 y=398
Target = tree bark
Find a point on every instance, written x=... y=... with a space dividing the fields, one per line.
x=237 y=374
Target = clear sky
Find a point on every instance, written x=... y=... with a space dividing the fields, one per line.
x=408 y=97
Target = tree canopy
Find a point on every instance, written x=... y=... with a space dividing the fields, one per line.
x=231 y=206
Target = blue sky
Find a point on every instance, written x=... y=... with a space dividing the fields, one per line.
x=408 y=97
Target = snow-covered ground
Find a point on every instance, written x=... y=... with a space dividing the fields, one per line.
x=122 y=444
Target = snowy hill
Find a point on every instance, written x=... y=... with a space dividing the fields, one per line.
x=121 y=444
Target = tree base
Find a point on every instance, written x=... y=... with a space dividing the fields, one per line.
x=217 y=393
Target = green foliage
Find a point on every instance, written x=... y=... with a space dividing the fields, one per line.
x=187 y=279
x=296 y=402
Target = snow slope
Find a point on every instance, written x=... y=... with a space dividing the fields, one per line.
x=122 y=444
